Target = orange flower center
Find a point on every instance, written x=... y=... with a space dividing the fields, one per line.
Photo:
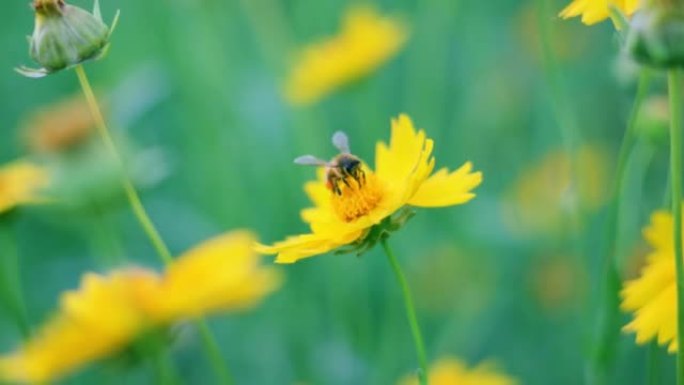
x=357 y=197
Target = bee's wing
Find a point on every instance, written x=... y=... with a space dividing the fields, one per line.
x=341 y=142
x=310 y=160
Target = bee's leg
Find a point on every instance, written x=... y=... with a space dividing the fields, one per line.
x=336 y=187
x=361 y=176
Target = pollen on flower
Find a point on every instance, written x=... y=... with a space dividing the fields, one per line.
x=357 y=198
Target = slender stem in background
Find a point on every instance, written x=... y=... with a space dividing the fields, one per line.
x=410 y=313
x=653 y=369
x=129 y=189
x=11 y=280
x=208 y=340
x=214 y=352
x=675 y=89
x=570 y=134
x=607 y=324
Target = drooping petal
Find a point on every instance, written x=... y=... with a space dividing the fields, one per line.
x=294 y=248
x=446 y=189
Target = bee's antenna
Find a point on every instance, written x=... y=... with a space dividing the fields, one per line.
x=341 y=142
x=310 y=160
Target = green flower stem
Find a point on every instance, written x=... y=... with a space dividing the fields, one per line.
x=129 y=189
x=410 y=313
x=10 y=280
x=565 y=118
x=208 y=340
x=674 y=77
x=214 y=352
x=608 y=327
x=653 y=369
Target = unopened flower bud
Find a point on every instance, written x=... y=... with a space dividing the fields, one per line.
x=64 y=36
x=656 y=37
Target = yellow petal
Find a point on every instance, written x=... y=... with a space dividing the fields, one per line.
x=594 y=11
x=408 y=152
x=297 y=247
x=452 y=371
x=223 y=273
x=366 y=41
x=20 y=183
x=446 y=189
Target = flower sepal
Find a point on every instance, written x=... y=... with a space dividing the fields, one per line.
x=379 y=232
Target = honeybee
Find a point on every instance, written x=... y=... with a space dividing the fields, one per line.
x=339 y=169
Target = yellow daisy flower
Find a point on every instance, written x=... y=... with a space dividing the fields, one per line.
x=452 y=371
x=108 y=312
x=652 y=297
x=595 y=11
x=20 y=182
x=350 y=200
x=366 y=41
x=223 y=273
x=95 y=321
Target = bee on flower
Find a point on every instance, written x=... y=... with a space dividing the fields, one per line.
x=355 y=205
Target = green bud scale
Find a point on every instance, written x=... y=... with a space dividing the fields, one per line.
x=656 y=37
x=64 y=36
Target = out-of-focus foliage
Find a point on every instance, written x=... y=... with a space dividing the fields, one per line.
x=194 y=91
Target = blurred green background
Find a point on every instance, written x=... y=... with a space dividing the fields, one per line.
x=195 y=88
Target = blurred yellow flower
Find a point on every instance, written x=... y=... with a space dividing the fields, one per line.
x=452 y=371
x=652 y=298
x=223 y=273
x=364 y=200
x=367 y=40
x=20 y=183
x=594 y=11
x=59 y=127
x=97 y=320
x=108 y=312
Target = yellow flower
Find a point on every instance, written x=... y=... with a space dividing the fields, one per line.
x=93 y=322
x=109 y=312
x=452 y=371
x=367 y=40
x=20 y=183
x=401 y=177
x=223 y=273
x=594 y=11
x=653 y=296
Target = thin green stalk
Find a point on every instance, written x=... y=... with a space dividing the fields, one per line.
x=410 y=313
x=11 y=280
x=208 y=340
x=214 y=352
x=570 y=134
x=163 y=367
x=129 y=189
x=676 y=111
x=653 y=369
x=608 y=328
